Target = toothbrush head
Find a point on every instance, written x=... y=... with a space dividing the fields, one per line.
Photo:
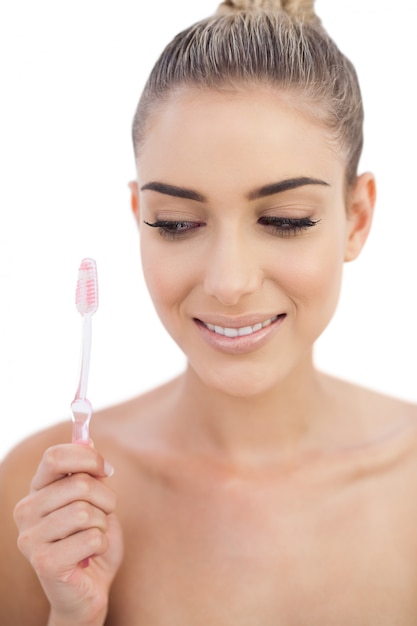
x=86 y=295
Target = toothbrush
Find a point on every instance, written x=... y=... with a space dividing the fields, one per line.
x=86 y=300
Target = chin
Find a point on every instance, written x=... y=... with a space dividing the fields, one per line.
x=241 y=382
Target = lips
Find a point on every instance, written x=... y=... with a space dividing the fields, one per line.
x=241 y=331
x=238 y=327
x=239 y=335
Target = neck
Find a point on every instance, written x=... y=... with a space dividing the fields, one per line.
x=284 y=420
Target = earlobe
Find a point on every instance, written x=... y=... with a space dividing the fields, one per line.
x=360 y=213
x=134 y=199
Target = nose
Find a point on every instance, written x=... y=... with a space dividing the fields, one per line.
x=232 y=269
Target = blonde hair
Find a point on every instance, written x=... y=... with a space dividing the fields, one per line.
x=299 y=9
x=279 y=43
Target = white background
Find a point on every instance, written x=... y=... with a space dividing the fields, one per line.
x=70 y=77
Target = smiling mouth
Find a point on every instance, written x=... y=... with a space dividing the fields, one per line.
x=243 y=331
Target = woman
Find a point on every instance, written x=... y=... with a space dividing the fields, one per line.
x=252 y=489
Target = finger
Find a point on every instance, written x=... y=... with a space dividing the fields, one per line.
x=73 y=488
x=61 y=460
x=50 y=560
x=63 y=523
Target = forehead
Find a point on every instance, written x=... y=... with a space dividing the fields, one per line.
x=257 y=130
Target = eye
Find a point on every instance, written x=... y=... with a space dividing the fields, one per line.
x=175 y=229
x=286 y=226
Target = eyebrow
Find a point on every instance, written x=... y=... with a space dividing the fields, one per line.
x=173 y=190
x=261 y=192
x=284 y=185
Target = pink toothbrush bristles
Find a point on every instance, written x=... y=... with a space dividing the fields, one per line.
x=86 y=294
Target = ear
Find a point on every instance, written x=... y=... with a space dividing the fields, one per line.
x=360 y=211
x=134 y=199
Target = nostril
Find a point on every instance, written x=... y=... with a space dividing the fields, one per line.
x=228 y=287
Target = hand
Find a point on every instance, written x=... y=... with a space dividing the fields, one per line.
x=70 y=534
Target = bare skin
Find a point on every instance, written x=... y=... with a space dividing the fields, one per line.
x=252 y=490
x=317 y=537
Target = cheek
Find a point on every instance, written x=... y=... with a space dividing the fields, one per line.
x=156 y=273
x=313 y=278
x=166 y=278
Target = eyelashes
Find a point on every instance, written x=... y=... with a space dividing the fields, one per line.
x=286 y=226
x=280 y=226
x=174 y=229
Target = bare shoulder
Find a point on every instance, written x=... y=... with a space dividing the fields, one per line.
x=111 y=431
x=20 y=464
x=110 y=427
x=379 y=424
x=17 y=578
x=366 y=401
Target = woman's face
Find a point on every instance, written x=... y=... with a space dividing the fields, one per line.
x=244 y=231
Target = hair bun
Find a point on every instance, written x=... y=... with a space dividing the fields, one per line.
x=235 y=6
x=299 y=9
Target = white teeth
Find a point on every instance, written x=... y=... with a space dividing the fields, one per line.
x=240 y=332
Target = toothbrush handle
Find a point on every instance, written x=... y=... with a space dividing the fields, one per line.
x=81 y=408
x=85 y=357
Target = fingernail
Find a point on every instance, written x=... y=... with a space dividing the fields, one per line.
x=108 y=469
